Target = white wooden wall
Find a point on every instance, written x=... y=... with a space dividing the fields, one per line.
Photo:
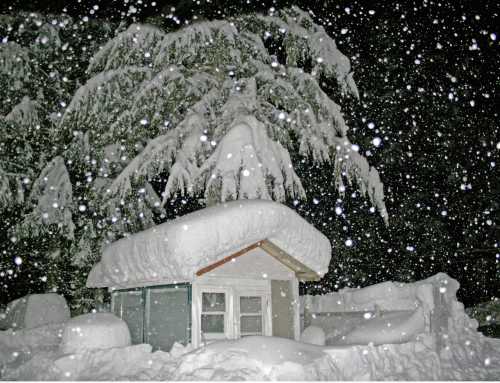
x=249 y=274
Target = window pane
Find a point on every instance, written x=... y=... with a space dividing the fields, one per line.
x=169 y=313
x=212 y=323
x=133 y=314
x=213 y=302
x=251 y=324
x=250 y=305
x=117 y=304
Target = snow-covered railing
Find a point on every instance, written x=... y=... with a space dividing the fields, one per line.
x=418 y=310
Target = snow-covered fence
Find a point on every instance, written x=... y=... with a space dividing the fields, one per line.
x=410 y=310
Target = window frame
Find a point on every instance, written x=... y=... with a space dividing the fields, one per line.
x=117 y=303
x=215 y=335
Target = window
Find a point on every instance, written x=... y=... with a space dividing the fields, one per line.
x=129 y=305
x=213 y=314
x=251 y=315
x=168 y=316
x=158 y=315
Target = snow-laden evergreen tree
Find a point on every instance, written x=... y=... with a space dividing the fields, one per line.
x=216 y=108
x=42 y=60
x=216 y=111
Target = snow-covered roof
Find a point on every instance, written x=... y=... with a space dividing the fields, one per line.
x=174 y=251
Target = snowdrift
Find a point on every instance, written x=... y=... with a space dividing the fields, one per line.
x=387 y=328
x=35 y=310
x=449 y=348
x=94 y=331
x=385 y=313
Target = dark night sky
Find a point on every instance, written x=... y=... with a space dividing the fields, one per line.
x=428 y=72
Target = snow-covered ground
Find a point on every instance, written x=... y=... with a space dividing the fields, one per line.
x=451 y=349
x=261 y=358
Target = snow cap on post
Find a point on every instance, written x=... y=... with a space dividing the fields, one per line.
x=174 y=251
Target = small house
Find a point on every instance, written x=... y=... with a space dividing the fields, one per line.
x=222 y=272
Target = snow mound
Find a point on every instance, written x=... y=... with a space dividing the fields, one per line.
x=391 y=327
x=35 y=310
x=174 y=251
x=255 y=358
x=313 y=335
x=19 y=346
x=113 y=364
x=94 y=331
x=450 y=348
x=385 y=313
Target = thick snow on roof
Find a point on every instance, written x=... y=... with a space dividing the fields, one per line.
x=176 y=250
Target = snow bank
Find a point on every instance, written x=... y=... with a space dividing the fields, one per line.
x=172 y=252
x=35 y=310
x=19 y=346
x=450 y=349
x=94 y=331
x=384 y=313
x=268 y=358
x=255 y=358
x=423 y=314
x=46 y=336
x=113 y=364
x=383 y=296
x=391 y=327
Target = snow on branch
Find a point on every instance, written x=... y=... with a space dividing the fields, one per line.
x=146 y=45
x=25 y=113
x=15 y=61
x=154 y=158
x=133 y=47
x=305 y=41
x=52 y=195
x=247 y=164
x=10 y=193
x=353 y=166
x=161 y=101
x=97 y=103
x=211 y=107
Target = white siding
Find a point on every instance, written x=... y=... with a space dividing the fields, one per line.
x=255 y=264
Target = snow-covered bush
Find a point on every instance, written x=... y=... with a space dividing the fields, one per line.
x=94 y=331
x=35 y=310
